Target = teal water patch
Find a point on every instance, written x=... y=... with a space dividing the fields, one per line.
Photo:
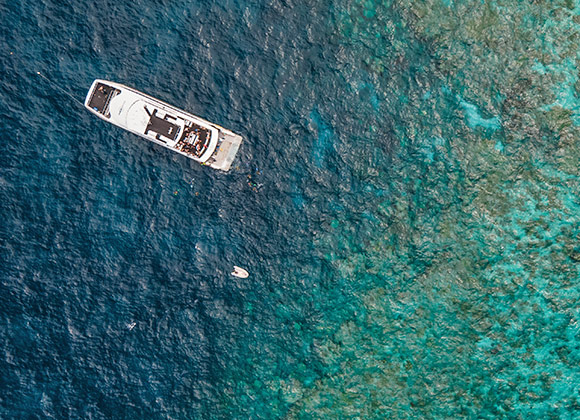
x=431 y=147
x=369 y=9
x=323 y=143
x=473 y=114
x=566 y=92
x=369 y=90
x=475 y=119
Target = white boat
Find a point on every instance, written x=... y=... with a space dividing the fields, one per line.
x=240 y=272
x=184 y=133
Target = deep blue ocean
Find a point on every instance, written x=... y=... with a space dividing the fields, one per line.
x=406 y=200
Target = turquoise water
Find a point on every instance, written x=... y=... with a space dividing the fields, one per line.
x=407 y=201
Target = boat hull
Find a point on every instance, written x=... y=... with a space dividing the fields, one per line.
x=163 y=124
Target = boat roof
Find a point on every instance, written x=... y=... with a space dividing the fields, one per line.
x=143 y=117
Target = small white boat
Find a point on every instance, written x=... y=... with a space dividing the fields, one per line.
x=240 y=272
x=184 y=133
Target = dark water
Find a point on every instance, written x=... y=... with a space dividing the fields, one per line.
x=406 y=200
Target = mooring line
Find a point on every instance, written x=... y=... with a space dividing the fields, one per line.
x=61 y=89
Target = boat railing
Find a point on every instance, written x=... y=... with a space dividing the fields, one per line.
x=108 y=101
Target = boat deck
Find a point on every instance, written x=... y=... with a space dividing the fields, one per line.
x=228 y=146
x=194 y=141
x=101 y=97
x=161 y=126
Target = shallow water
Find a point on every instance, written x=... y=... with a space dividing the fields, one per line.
x=406 y=201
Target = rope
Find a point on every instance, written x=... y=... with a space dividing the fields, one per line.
x=61 y=89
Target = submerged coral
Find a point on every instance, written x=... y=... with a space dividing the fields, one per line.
x=454 y=271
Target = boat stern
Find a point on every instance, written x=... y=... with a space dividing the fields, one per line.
x=226 y=151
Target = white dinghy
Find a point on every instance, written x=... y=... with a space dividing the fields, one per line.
x=240 y=272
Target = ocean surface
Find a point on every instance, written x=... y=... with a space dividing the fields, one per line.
x=406 y=199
